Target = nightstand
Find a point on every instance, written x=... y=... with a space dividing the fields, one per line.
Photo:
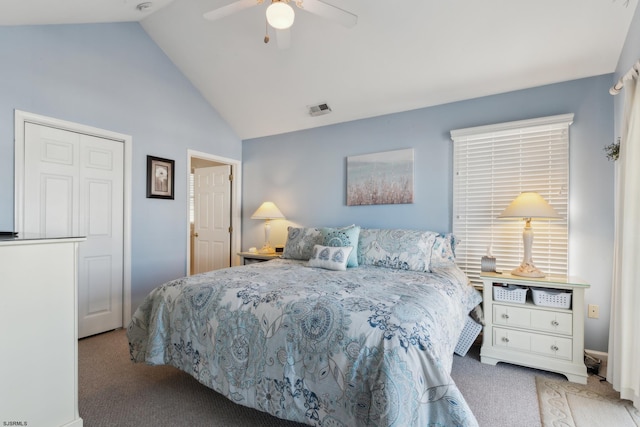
x=253 y=257
x=538 y=336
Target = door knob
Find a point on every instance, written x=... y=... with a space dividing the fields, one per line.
x=195 y=234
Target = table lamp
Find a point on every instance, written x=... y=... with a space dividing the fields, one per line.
x=528 y=206
x=267 y=211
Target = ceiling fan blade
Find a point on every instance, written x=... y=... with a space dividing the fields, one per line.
x=229 y=9
x=284 y=38
x=328 y=11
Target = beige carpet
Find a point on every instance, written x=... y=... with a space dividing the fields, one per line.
x=566 y=404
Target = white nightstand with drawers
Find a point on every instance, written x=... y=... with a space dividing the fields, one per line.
x=539 y=336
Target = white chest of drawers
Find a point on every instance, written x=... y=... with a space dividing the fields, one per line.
x=39 y=331
x=533 y=335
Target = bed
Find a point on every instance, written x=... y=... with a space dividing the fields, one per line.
x=366 y=345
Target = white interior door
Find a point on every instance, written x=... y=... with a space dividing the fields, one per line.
x=212 y=218
x=73 y=186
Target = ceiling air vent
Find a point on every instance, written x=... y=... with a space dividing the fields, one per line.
x=319 y=110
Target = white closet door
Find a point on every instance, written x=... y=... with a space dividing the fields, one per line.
x=74 y=187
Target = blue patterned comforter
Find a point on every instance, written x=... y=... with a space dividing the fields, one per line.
x=369 y=346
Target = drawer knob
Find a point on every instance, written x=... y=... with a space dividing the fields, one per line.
x=505 y=339
x=505 y=316
x=555 y=323
x=554 y=347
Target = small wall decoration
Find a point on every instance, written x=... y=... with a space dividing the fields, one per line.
x=380 y=178
x=160 y=182
x=613 y=150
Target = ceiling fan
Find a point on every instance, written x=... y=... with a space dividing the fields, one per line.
x=280 y=15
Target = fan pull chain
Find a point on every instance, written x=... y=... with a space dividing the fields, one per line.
x=266 y=32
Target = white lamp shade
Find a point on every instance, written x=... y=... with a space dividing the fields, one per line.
x=267 y=210
x=280 y=15
x=529 y=205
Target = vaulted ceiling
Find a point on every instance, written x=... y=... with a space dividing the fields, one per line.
x=401 y=55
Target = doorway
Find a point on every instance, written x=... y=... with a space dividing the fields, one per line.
x=211 y=249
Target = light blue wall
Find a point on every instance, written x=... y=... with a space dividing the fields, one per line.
x=114 y=77
x=304 y=173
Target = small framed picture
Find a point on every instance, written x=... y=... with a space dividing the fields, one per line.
x=160 y=182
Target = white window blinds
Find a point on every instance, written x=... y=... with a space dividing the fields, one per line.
x=492 y=165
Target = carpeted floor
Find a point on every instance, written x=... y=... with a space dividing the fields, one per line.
x=115 y=392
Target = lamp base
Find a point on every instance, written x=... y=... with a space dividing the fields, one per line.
x=266 y=249
x=527 y=270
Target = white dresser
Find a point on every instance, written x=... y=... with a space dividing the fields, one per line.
x=39 y=332
x=531 y=335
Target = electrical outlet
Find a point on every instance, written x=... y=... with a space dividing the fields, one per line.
x=594 y=311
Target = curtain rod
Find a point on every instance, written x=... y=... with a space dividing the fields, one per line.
x=633 y=72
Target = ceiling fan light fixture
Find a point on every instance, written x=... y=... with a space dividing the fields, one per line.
x=280 y=15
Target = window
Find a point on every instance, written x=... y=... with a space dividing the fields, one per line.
x=492 y=165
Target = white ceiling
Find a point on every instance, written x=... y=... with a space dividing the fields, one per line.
x=400 y=56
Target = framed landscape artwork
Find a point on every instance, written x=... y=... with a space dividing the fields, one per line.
x=160 y=182
x=380 y=178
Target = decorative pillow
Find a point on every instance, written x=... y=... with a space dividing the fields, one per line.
x=444 y=250
x=330 y=257
x=346 y=236
x=300 y=242
x=396 y=248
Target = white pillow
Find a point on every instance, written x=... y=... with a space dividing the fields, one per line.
x=330 y=257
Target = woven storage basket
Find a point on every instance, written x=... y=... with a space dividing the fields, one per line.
x=551 y=297
x=467 y=337
x=511 y=293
